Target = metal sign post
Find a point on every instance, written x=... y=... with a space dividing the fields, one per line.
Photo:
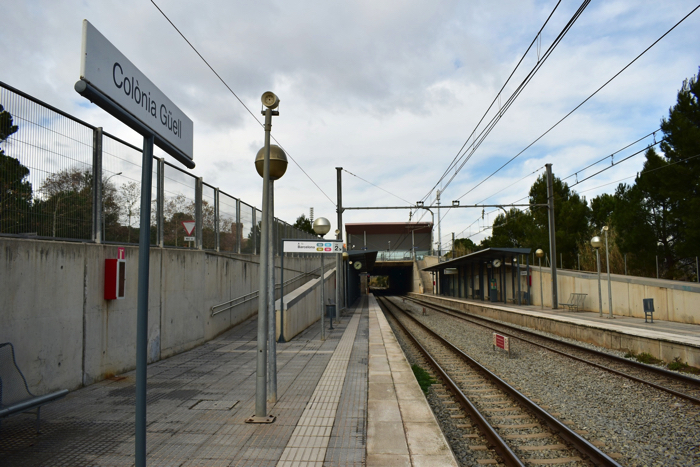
x=111 y=81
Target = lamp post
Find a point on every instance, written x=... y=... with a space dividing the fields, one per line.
x=278 y=166
x=607 y=264
x=539 y=253
x=104 y=234
x=596 y=243
x=322 y=226
x=270 y=101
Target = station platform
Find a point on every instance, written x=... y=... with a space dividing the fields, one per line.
x=351 y=400
x=665 y=340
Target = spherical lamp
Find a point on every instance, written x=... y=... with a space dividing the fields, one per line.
x=278 y=162
x=322 y=226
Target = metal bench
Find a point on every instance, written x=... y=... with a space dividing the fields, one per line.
x=575 y=301
x=15 y=396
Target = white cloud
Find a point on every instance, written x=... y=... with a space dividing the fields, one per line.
x=388 y=90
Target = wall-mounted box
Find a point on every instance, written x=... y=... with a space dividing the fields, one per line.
x=115 y=278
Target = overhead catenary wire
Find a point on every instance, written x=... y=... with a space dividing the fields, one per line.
x=486 y=131
x=377 y=186
x=582 y=103
x=238 y=98
x=496 y=98
x=611 y=155
x=582 y=191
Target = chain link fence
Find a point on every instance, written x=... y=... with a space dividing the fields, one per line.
x=65 y=179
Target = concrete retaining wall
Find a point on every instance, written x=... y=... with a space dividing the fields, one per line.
x=302 y=306
x=66 y=335
x=673 y=300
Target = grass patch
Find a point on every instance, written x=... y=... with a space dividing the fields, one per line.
x=648 y=358
x=424 y=379
x=677 y=365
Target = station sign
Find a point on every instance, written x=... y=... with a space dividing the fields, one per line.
x=313 y=246
x=107 y=69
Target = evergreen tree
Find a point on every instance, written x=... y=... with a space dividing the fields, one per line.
x=15 y=191
x=571 y=219
x=681 y=145
x=304 y=224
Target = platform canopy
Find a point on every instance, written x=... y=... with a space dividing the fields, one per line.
x=483 y=256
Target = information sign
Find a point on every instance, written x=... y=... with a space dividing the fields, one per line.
x=107 y=69
x=313 y=246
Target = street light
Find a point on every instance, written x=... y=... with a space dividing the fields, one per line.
x=539 y=253
x=596 y=243
x=278 y=166
x=271 y=101
x=104 y=233
x=322 y=226
x=607 y=264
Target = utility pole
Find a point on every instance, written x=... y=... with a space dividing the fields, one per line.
x=339 y=236
x=439 y=228
x=552 y=236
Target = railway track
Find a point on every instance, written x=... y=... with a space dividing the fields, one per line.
x=682 y=386
x=512 y=429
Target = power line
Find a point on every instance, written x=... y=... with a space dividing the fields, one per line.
x=643 y=173
x=237 y=98
x=615 y=163
x=586 y=100
x=498 y=95
x=377 y=186
x=611 y=156
x=494 y=121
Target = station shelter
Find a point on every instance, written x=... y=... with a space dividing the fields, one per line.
x=493 y=274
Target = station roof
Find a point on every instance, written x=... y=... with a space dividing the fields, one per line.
x=486 y=255
x=383 y=228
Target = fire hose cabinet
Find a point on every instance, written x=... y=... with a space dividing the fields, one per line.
x=115 y=278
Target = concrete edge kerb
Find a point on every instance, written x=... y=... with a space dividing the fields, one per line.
x=649 y=334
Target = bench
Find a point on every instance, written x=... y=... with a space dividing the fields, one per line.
x=575 y=301
x=15 y=396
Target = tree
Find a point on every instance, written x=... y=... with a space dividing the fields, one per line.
x=304 y=224
x=464 y=246
x=65 y=207
x=602 y=208
x=130 y=199
x=681 y=146
x=15 y=191
x=647 y=216
x=571 y=219
x=516 y=229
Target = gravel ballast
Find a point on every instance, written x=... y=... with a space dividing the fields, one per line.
x=647 y=427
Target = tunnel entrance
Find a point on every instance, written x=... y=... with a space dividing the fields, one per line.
x=392 y=278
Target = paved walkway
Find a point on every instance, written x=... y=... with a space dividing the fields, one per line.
x=198 y=402
x=688 y=334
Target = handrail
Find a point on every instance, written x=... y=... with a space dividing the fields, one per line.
x=253 y=295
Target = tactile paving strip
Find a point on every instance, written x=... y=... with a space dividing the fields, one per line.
x=309 y=441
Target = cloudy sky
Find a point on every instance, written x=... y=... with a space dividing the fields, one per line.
x=388 y=90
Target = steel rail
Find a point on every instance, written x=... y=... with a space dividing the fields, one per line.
x=491 y=435
x=595 y=455
x=641 y=366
